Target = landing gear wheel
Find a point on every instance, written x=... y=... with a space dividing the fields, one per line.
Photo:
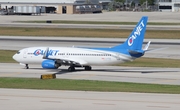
x=71 y=68
x=27 y=67
x=88 y=68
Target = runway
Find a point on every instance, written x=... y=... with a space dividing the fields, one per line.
x=102 y=73
x=16 y=99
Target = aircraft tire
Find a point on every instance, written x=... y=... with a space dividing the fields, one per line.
x=71 y=68
x=88 y=68
x=27 y=67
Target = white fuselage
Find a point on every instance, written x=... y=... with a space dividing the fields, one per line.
x=34 y=55
x=53 y=57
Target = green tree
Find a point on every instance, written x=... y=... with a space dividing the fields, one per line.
x=114 y=5
x=150 y=2
x=122 y=1
x=133 y=4
x=88 y=2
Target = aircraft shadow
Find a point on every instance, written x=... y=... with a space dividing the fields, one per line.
x=65 y=71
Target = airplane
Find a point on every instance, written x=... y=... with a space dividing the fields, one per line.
x=54 y=57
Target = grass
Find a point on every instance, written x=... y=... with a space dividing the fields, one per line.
x=102 y=33
x=97 y=22
x=153 y=62
x=86 y=85
x=6 y=57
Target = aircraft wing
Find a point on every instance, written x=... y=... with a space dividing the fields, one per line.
x=65 y=61
x=78 y=62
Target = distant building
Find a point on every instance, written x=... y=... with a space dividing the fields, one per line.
x=56 y=6
x=169 y=5
x=104 y=4
x=163 y=5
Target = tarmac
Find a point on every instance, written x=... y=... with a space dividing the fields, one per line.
x=23 y=99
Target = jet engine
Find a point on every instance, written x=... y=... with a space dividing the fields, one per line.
x=50 y=64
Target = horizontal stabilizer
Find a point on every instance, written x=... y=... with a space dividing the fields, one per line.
x=147 y=46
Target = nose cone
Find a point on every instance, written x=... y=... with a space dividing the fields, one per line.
x=15 y=57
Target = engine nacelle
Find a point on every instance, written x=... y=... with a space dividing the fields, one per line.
x=50 y=64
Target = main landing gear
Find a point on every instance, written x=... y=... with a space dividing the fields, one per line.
x=87 y=68
x=71 y=68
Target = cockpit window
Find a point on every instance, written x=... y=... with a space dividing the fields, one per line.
x=18 y=52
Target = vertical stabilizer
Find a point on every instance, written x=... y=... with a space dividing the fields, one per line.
x=135 y=40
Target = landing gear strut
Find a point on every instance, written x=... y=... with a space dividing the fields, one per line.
x=71 y=68
x=27 y=67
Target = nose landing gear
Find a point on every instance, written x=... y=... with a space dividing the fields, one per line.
x=27 y=66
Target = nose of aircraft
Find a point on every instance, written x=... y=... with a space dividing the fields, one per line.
x=15 y=57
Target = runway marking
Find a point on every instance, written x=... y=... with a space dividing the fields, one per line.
x=159 y=106
x=11 y=74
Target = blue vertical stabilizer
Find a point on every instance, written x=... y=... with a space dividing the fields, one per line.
x=133 y=45
x=135 y=40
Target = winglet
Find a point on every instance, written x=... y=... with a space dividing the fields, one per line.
x=45 y=55
x=147 y=46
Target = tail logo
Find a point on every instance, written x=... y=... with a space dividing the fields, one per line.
x=136 y=33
